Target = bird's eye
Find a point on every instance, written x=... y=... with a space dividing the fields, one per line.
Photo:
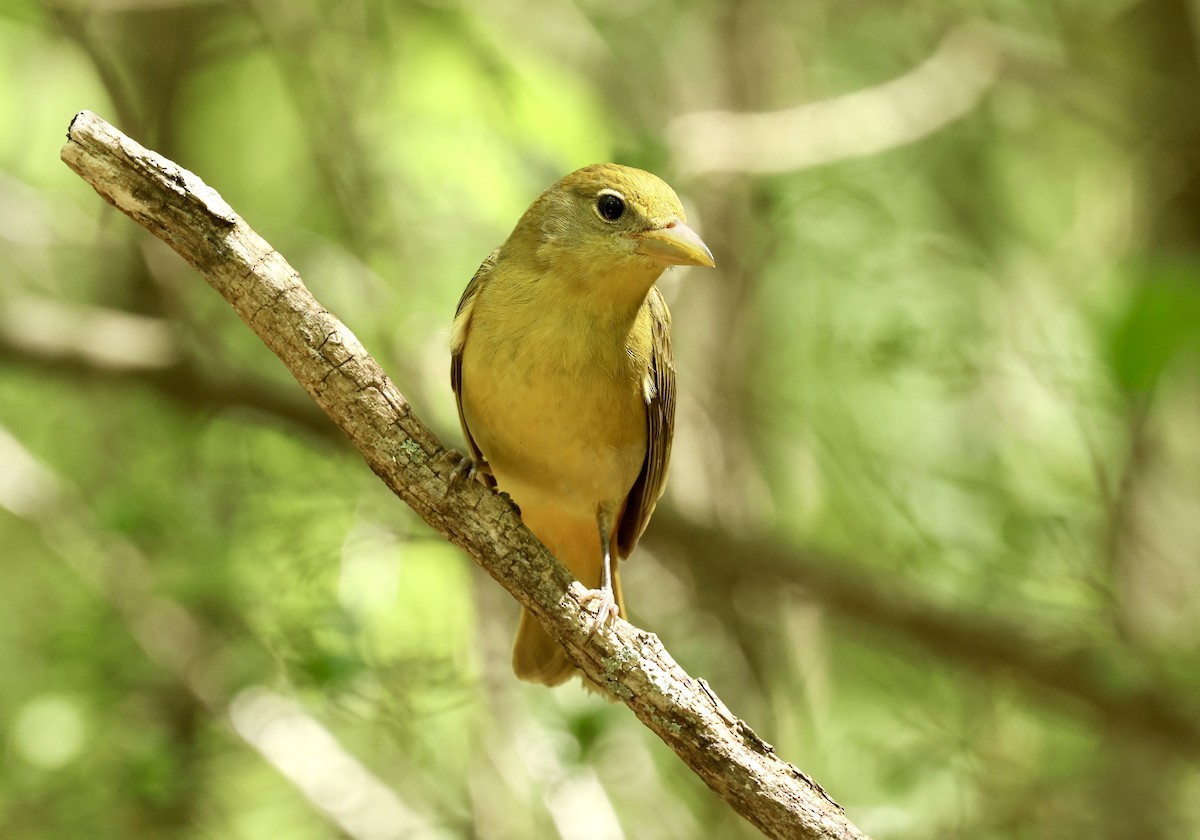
x=610 y=206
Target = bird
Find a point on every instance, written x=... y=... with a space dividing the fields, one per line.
x=562 y=370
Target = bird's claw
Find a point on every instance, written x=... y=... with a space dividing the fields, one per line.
x=607 y=610
x=466 y=468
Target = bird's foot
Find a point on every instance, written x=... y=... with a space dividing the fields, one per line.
x=466 y=468
x=607 y=610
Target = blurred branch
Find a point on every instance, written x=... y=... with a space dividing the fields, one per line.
x=349 y=385
x=1123 y=538
x=313 y=760
x=103 y=338
x=296 y=744
x=1105 y=678
x=330 y=129
x=934 y=94
x=97 y=344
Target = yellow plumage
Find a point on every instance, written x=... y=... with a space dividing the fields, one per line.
x=561 y=364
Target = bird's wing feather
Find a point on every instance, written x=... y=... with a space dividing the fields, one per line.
x=458 y=340
x=659 y=391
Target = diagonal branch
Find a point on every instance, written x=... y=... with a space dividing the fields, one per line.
x=352 y=389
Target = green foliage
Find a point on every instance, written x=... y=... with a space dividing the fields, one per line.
x=1160 y=324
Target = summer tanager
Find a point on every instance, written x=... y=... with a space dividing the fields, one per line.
x=561 y=364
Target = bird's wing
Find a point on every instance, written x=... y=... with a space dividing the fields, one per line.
x=458 y=340
x=659 y=391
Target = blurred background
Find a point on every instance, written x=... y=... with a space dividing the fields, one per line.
x=933 y=523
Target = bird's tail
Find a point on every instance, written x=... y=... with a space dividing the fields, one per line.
x=537 y=657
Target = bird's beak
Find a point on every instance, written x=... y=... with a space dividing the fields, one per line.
x=674 y=244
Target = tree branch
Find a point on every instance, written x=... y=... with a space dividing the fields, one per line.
x=352 y=389
x=943 y=88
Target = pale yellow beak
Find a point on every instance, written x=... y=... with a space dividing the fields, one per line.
x=674 y=244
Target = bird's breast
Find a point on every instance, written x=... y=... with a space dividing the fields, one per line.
x=557 y=410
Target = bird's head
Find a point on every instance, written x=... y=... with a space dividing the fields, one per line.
x=610 y=225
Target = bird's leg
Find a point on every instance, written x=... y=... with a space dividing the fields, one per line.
x=606 y=603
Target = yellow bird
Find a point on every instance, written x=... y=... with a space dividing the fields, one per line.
x=561 y=365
